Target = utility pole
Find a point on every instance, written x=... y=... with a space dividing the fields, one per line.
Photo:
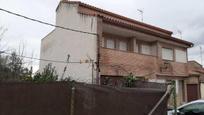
x=174 y=97
x=65 y=68
x=141 y=13
x=201 y=55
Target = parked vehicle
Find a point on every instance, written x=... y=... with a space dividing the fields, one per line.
x=191 y=108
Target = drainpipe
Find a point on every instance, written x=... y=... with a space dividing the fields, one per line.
x=98 y=61
x=99 y=35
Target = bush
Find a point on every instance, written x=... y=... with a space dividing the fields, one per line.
x=129 y=81
x=49 y=74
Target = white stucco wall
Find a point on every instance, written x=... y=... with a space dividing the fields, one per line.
x=59 y=43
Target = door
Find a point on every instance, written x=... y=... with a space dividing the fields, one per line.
x=192 y=92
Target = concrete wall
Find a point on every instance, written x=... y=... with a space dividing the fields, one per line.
x=59 y=43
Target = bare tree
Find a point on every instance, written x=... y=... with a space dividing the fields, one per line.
x=2 y=32
x=12 y=66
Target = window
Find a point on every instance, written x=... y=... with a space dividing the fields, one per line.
x=181 y=56
x=110 y=43
x=123 y=45
x=145 y=49
x=167 y=54
x=193 y=109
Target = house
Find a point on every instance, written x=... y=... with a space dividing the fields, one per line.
x=118 y=46
x=196 y=69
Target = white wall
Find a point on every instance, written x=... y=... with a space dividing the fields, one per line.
x=157 y=80
x=59 y=43
x=202 y=90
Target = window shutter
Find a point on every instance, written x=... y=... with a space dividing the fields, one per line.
x=167 y=54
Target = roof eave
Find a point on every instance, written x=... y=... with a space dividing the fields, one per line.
x=125 y=18
x=189 y=44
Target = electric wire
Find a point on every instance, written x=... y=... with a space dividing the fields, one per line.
x=46 y=23
x=40 y=59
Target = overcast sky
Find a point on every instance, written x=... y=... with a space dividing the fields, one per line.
x=173 y=15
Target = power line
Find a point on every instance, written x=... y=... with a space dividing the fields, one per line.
x=46 y=23
x=56 y=61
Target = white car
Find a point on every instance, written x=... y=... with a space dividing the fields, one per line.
x=191 y=108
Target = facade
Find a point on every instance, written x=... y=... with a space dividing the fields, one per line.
x=80 y=46
x=118 y=46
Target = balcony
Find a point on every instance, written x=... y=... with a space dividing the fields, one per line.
x=125 y=51
x=121 y=63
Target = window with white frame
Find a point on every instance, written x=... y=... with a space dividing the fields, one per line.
x=123 y=45
x=181 y=56
x=145 y=49
x=167 y=54
x=110 y=43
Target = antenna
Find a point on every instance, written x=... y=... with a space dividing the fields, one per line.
x=180 y=33
x=201 y=55
x=141 y=13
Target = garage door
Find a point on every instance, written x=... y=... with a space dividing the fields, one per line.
x=192 y=92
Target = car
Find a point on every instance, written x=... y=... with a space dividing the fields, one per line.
x=191 y=108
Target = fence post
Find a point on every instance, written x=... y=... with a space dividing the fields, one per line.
x=174 y=96
x=168 y=91
x=72 y=100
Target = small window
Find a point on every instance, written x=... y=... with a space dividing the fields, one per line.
x=110 y=43
x=181 y=56
x=167 y=54
x=145 y=49
x=123 y=45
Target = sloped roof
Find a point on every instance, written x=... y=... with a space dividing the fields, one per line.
x=126 y=22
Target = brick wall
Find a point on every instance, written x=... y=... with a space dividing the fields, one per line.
x=122 y=63
x=179 y=69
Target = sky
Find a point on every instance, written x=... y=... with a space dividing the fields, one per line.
x=174 y=15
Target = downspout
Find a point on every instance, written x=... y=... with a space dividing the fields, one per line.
x=99 y=36
x=98 y=59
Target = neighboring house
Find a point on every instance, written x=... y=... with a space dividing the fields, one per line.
x=121 y=46
x=202 y=86
x=196 y=70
